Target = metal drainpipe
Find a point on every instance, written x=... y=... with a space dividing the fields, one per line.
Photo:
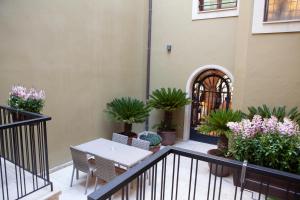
x=148 y=57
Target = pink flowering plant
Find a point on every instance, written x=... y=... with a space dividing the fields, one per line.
x=267 y=142
x=31 y=100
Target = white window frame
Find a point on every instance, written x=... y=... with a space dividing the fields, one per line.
x=210 y=14
x=259 y=26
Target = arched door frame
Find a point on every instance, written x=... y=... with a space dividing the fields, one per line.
x=188 y=89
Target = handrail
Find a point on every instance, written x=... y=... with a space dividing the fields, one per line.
x=37 y=118
x=123 y=180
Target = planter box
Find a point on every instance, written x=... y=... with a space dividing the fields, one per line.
x=271 y=186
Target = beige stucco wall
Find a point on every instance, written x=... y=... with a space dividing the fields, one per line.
x=267 y=65
x=83 y=53
x=194 y=44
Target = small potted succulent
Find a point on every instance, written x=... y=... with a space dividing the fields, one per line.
x=168 y=100
x=129 y=111
x=154 y=139
x=267 y=142
x=21 y=98
x=217 y=123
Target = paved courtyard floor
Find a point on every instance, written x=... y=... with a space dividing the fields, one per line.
x=61 y=180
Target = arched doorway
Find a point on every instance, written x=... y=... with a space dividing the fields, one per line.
x=210 y=90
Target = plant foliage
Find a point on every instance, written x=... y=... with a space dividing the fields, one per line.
x=280 y=112
x=168 y=99
x=217 y=122
x=272 y=150
x=154 y=139
x=30 y=100
x=128 y=110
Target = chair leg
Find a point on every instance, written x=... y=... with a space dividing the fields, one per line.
x=87 y=182
x=72 y=176
x=77 y=174
x=96 y=184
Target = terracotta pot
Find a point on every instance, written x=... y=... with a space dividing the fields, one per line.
x=168 y=137
x=274 y=187
x=217 y=169
x=155 y=149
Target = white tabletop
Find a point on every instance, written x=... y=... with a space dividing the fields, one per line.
x=122 y=154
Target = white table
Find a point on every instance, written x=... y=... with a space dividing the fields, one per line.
x=122 y=154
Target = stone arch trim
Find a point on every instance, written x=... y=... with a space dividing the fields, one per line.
x=188 y=90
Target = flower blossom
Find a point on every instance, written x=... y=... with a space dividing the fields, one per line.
x=269 y=124
x=18 y=91
x=249 y=128
x=35 y=94
x=288 y=127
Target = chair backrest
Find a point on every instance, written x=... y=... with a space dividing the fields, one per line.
x=80 y=160
x=120 y=138
x=142 y=144
x=105 y=169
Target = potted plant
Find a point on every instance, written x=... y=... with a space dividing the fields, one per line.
x=154 y=139
x=129 y=111
x=168 y=100
x=30 y=100
x=217 y=123
x=270 y=143
x=280 y=113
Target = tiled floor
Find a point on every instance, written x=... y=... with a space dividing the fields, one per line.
x=15 y=178
x=61 y=179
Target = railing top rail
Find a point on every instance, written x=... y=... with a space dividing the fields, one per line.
x=119 y=182
x=35 y=117
x=237 y=164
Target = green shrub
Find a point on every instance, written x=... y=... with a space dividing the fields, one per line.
x=154 y=139
x=272 y=150
x=280 y=112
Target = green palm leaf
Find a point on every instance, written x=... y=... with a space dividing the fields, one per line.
x=128 y=110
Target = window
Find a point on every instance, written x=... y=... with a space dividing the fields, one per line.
x=208 y=9
x=208 y=5
x=279 y=10
x=276 y=16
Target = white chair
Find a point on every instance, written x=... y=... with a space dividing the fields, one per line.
x=106 y=170
x=142 y=144
x=81 y=163
x=123 y=139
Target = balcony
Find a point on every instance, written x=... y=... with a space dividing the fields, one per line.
x=24 y=167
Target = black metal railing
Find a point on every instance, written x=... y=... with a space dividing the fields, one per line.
x=24 y=166
x=179 y=174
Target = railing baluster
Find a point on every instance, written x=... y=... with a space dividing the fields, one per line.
x=190 y=182
x=220 y=186
x=173 y=175
x=208 y=190
x=178 y=165
x=215 y=180
x=195 y=184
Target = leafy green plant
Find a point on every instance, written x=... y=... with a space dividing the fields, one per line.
x=31 y=100
x=217 y=123
x=168 y=100
x=127 y=110
x=280 y=112
x=272 y=150
x=154 y=139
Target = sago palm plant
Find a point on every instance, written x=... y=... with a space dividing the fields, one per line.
x=129 y=111
x=217 y=122
x=280 y=112
x=168 y=100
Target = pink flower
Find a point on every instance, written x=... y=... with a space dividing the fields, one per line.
x=249 y=128
x=269 y=124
